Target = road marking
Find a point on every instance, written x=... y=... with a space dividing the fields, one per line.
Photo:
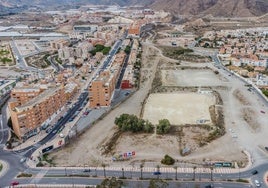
x=39 y=176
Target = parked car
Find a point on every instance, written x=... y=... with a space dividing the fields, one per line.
x=266 y=148
x=86 y=170
x=157 y=173
x=14 y=183
x=257 y=183
x=254 y=172
x=209 y=186
x=262 y=111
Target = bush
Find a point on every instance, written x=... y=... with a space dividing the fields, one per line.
x=163 y=126
x=24 y=175
x=168 y=160
x=127 y=122
x=40 y=164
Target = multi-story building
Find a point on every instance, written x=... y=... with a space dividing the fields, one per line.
x=31 y=115
x=58 y=44
x=22 y=95
x=101 y=90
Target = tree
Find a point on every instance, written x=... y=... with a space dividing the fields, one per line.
x=111 y=183
x=168 y=160
x=194 y=168
x=104 y=171
x=211 y=173
x=127 y=122
x=159 y=183
x=127 y=49
x=176 y=172
x=163 y=126
x=141 y=167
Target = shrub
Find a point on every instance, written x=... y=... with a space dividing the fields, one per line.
x=163 y=126
x=168 y=160
x=128 y=122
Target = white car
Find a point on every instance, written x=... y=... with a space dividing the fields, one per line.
x=257 y=183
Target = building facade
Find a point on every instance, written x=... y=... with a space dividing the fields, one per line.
x=34 y=111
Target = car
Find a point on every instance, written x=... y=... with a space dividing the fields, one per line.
x=254 y=172
x=61 y=135
x=22 y=160
x=54 y=131
x=14 y=183
x=262 y=111
x=157 y=173
x=257 y=183
x=266 y=148
x=86 y=170
x=209 y=186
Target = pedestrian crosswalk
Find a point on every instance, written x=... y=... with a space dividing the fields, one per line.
x=39 y=176
x=163 y=169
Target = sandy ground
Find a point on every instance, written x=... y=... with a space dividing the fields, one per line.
x=178 y=108
x=240 y=132
x=190 y=77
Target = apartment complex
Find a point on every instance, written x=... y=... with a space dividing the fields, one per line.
x=102 y=88
x=32 y=108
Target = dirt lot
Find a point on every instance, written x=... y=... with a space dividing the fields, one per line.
x=199 y=77
x=178 y=108
x=239 y=136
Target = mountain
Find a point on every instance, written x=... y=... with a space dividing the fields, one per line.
x=227 y=8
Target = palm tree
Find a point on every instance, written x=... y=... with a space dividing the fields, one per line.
x=176 y=172
x=141 y=166
x=123 y=174
x=194 y=168
x=211 y=173
x=104 y=172
x=158 y=170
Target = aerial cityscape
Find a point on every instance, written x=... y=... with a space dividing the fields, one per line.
x=128 y=93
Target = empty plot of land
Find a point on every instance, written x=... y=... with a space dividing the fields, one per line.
x=179 y=108
x=190 y=77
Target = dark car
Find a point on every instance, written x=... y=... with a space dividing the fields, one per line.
x=14 y=183
x=209 y=186
x=157 y=173
x=86 y=170
x=254 y=172
x=266 y=148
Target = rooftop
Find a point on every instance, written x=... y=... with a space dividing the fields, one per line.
x=43 y=96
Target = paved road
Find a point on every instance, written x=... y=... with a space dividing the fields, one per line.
x=71 y=182
x=13 y=159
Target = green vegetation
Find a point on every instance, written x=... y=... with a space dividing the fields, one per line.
x=5 y=60
x=100 y=48
x=127 y=122
x=127 y=49
x=58 y=60
x=163 y=126
x=242 y=181
x=4 y=52
x=168 y=160
x=46 y=60
x=158 y=183
x=26 y=175
x=111 y=183
x=1 y=167
x=265 y=92
x=45 y=160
